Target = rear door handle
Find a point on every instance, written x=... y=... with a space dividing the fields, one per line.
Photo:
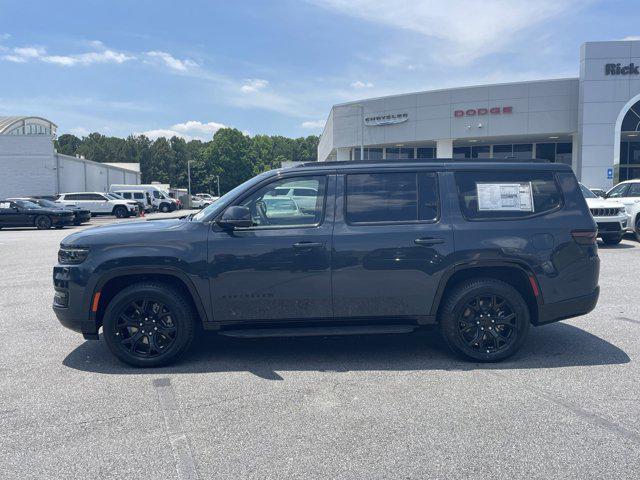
x=305 y=245
x=428 y=241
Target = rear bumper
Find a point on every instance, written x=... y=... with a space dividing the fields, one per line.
x=574 y=307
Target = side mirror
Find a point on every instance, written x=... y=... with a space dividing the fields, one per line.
x=236 y=217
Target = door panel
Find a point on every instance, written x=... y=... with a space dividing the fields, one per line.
x=277 y=271
x=387 y=269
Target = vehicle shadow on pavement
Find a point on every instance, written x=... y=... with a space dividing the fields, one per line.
x=552 y=346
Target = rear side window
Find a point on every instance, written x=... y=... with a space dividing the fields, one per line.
x=537 y=193
x=398 y=197
x=138 y=195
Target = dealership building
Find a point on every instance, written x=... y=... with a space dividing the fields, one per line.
x=30 y=165
x=591 y=122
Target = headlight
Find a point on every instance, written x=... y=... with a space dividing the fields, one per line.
x=72 y=256
x=623 y=209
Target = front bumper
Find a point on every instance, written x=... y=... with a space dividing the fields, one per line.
x=612 y=225
x=66 y=220
x=71 y=304
x=574 y=307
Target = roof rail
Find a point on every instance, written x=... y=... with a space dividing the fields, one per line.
x=425 y=160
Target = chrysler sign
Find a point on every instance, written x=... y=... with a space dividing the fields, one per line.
x=472 y=112
x=387 y=119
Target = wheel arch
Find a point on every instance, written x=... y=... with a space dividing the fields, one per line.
x=518 y=276
x=110 y=284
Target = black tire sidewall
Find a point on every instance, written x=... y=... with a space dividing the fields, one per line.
x=182 y=316
x=47 y=220
x=120 y=212
x=456 y=301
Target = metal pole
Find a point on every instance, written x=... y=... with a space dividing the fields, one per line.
x=218 y=181
x=361 y=132
x=189 y=178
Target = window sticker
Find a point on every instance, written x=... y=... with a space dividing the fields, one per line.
x=512 y=197
x=5 y=205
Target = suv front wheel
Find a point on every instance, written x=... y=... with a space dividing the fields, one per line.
x=148 y=324
x=484 y=319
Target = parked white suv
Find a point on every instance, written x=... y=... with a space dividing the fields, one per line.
x=99 y=204
x=304 y=197
x=628 y=193
x=610 y=215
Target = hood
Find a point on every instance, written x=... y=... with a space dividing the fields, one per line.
x=603 y=203
x=125 y=232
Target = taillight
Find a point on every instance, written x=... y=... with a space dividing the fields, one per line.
x=582 y=237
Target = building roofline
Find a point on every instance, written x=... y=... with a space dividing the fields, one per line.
x=455 y=89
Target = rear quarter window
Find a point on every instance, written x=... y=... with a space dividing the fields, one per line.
x=543 y=186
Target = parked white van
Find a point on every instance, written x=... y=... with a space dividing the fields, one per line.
x=159 y=198
x=142 y=198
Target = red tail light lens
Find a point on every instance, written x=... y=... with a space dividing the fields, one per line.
x=582 y=237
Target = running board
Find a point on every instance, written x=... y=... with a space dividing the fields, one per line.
x=318 y=331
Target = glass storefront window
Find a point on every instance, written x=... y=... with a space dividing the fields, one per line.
x=502 y=151
x=634 y=152
x=369 y=153
x=523 y=151
x=425 y=152
x=397 y=153
x=461 y=152
x=546 y=151
x=624 y=153
x=481 y=151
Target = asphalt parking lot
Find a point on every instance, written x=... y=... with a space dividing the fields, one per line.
x=566 y=406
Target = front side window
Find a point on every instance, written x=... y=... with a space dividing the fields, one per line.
x=634 y=190
x=618 y=191
x=391 y=197
x=491 y=195
x=269 y=208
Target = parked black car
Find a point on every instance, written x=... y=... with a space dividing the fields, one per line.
x=483 y=249
x=80 y=215
x=23 y=213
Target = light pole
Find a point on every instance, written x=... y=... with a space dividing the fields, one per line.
x=218 y=182
x=361 y=106
x=189 y=178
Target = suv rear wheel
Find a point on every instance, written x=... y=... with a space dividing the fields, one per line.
x=638 y=228
x=165 y=208
x=148 y=325
x=484 y=319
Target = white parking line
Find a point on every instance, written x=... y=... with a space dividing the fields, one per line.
x=185 y=464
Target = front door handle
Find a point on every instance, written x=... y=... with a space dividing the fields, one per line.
x=306 y=245
x=428 y=241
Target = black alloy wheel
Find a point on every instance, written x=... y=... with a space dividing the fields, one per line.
x=484 y=319
x=487 y=324
x=146 y=328
x=42 y=222
x=638 y=228
x=148 y=324
x=120 y=212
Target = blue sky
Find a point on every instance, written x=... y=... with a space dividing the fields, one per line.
x=274 y=67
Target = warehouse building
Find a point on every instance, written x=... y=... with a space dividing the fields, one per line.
x=29 y=164
x=590 y=122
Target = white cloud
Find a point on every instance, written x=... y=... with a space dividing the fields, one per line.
x=79 y=131
x=359 y=84
x=313 y=124
x=26 y=54
x=253 y=85
x=172 y=62
x=465 y=30
x=190 y=130
x=631 y=38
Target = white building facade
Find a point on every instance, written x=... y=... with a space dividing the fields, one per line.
x=591 y=122
x=29 y=164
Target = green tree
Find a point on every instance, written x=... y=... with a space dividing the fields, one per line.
x=67 y=144
x=228 y=156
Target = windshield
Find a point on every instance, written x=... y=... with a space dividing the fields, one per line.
x=587 y=193
x=27 y=204
x=114 y=196
x=220 y=204
x=47 y=203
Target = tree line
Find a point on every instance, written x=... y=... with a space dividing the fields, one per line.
x=231 y=154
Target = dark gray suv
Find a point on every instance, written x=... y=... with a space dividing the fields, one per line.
x=482 y=249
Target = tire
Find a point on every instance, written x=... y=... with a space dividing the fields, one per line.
x=59 y=227
x=136 y=352
x=42 y=222
x=612 y=239
x=637 y=230
x=482 y=330
x=120 y=212
x=164 y=208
